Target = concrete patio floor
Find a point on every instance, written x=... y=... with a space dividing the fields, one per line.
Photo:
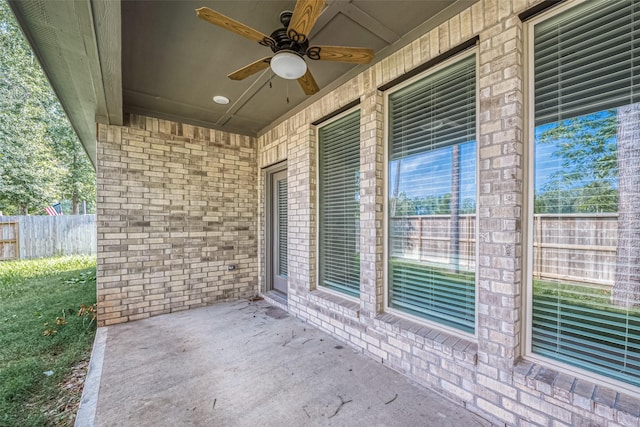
x=247 y=364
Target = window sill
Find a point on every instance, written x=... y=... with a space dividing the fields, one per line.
x=335 y=303
x=433 y=338
x=603 y=401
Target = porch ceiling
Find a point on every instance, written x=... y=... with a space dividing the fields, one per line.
x=157 y=58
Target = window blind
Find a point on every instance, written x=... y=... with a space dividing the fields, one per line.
x=339 y=207
x=432 y=194
x=581 y=54
x=282 y=227
x=435 y=112
x=586 y=279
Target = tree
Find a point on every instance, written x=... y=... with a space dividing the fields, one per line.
x=585 y=182
x=626 y=291
x=28 y=170
x=598 y=153
x=454 y=223
x=596 y=196
x=40 y=156
x=77 y=181
x=27 y=173
x=396 y=190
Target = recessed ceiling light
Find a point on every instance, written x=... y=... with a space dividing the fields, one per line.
x=218 y=99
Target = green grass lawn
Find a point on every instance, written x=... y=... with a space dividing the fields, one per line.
x=580 y=294
x=43 y=337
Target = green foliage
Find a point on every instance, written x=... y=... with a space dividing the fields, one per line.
x=586 y=180
x=41 y=159
x=580 y=295
x=36 y=295
x=438 y=273
x=596 y=196
x=83 y=279
x=431 y=205
x=27 y=168
x=77 y=181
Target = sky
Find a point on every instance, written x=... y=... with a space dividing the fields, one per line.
x=429 y=173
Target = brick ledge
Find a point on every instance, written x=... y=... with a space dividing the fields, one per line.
x=439 y=340
x=601 y=400
x=335 y=303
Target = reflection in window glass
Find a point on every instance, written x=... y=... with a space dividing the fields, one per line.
x=586 y=248
x=432 y=197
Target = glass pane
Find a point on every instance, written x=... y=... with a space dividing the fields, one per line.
x=586 y=248
x=580 y=54
x=339 y=208
x=432 y=200
x=586 y=240
x=282 y=228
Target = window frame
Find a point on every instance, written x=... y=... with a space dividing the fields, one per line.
x=317 y=128
x=528 y=250
x=266 y=175
x=386 y=251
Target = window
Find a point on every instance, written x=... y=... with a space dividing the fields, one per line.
x=339 y=205
x=432 y=197
x=282 y=215
x=586 y=179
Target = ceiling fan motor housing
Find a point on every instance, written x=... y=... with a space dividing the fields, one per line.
x=283 y=41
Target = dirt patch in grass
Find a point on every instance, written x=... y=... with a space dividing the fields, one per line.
x=62 y=413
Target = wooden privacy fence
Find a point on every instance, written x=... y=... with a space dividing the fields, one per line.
x=575 y=247
x=23 y=237
x=9 y=243
x=571 y=247
x=426 y=238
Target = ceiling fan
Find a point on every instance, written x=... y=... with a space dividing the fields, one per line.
x=290 y=44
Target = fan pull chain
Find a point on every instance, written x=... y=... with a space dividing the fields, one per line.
x=270 y=77
x=287 y=91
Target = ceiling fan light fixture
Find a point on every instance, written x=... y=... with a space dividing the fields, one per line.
x=288 y=65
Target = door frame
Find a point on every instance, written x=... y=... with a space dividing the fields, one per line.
x=269 y=254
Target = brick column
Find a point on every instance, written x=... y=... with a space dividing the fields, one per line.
x=500 y=202
x=301 y=178
x=272 y=149
x=371 y=203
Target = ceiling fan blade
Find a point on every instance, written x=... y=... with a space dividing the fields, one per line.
x=308 y=83
x=250 y=69
x=304 y=17
x=356 y=55
x=234 y=26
